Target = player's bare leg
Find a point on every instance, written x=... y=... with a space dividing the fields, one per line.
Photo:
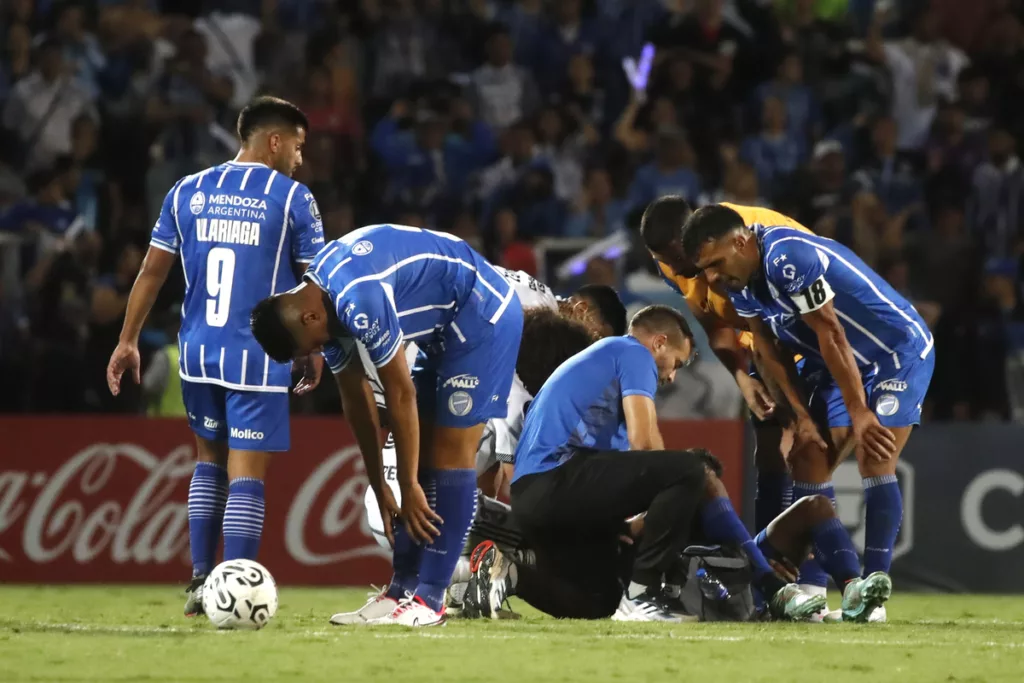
x=812 y=476
x=774 y=485
x=448 y=477
x=883 y=504
x=207 y=496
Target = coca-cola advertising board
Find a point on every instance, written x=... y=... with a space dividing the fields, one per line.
x=103 y=499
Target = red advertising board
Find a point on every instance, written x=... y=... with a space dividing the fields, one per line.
x=103 y=499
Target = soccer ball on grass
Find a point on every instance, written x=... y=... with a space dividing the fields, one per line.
x=240 y=594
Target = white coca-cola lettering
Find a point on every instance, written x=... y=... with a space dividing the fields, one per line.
x=344 y=510
x=151 y=528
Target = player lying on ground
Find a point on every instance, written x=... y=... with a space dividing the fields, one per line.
x=591 y=455
x=382 y=285
x=869 y=353
x=810 y=523
x=548 y=340
x=730 y=337
x=243 y=230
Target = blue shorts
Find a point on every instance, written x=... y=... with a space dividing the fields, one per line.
x=895 y=394
x=468 y=381
x=248 y=420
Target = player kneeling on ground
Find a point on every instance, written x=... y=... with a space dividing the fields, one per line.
x=591 y=456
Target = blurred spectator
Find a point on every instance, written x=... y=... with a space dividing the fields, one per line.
x=566 y=33
x=524 y=19
x=504 y=92
x=229 y=38
x=16 y=59
x=974 y=96
x=671 y=172
x=803 y=115
x=82 y=50
x=820 y=189
x=404 y=49
x=705 y=37
x=518 y=150
x=996 y=211
x=539 y=212
x=596 y=212
x=42 y=107
x=775 y=154
x=952 y=154
x=924 y=68
x=893 y=176
x=582 y=100
x=739 y=186
x=563 y=151
x=333 y=114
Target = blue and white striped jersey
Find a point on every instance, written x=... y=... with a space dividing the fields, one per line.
x=801 y=272
x=238 y=228
x=394 y=283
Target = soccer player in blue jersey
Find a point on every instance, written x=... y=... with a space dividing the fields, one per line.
x=243 y=230
x=591 y=456
x=382 y=285
x=869 y=353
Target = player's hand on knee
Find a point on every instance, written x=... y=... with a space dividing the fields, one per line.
x=418 y=516
x=758 y=398
x=389 y=511
x=311 y=367
x=807 y=435
x=876 y=442
x=125 y=357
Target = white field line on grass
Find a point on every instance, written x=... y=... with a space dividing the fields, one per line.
x=819 y=634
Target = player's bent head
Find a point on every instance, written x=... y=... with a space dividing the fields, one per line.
x=717 y=241
x=270 y=330
x=666 y=334
x=277 y=128
x=549 y=339
x=606 y=312
x=662 y=229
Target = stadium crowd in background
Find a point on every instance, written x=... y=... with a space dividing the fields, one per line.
x=893 y=127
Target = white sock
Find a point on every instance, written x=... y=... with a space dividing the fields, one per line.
x=635 y=590
x=461 y=572
x=813 y=590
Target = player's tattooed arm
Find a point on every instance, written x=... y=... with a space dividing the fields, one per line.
x=152 y=275
x=878 y=441
x=642 y=423
x=773 y=364
x=360 y=409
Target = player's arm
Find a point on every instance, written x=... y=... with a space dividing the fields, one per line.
x=307 y=240
x=838 y=356
x=638 y=379
x=360 y=411
x=163 y=250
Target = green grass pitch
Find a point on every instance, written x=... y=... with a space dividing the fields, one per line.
x=57 y=633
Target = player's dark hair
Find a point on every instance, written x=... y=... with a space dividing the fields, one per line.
x=707 y=224
x=269 y=111
x=662 y=222
x=661 y=319
x=548 y=341
x=269 y=330
x=609 y=306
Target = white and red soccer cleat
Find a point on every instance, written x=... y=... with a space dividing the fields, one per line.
x=377 y=607
x=413 y=612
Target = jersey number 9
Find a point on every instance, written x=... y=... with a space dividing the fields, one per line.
x=220 y=273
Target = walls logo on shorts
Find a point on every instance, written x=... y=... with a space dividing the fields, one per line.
x=887 y=404
x=850 y=504
x=247 y=434
x=362 y=248
x=197 y=203
x=892 y=385
x=460 y=403
x=210 y=423
x=461 y=382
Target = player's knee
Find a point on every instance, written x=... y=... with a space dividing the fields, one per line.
x=713 y=486
x=809 y=464
x=815 y=509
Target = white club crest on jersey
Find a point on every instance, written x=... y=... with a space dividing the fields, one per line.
x=362 y=248
x=197 y=203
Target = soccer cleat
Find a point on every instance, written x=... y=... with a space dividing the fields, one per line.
x=863 y=597
x=413 y=612
x=489 y=586
x=454 y=599
x=792 y=604
x=194 y=596
x=377 y=607
x=648 y=607
x=878 y=616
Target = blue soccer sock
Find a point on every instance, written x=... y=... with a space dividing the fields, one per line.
x=834 y=550
x=811 y=571
x=407 y=555
x=883 y=507
x=722 y=525
x=456 y=504
x=243 y=519
x=207 y=495
x=773 y=489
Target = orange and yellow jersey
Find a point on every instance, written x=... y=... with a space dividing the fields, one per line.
x=715 y=309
